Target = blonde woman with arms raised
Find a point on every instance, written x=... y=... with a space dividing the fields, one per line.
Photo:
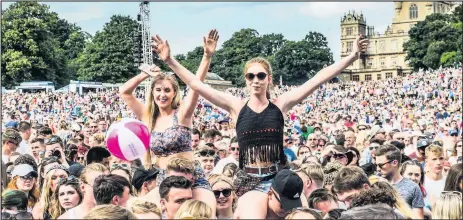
x=259 y=121
x=169 y=121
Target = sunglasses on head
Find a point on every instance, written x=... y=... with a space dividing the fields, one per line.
x=19 y=215
x=53 y=140
x=120 y=166
x=207 y=153
x=260 y=76
x=224 y=192
x=70 y=179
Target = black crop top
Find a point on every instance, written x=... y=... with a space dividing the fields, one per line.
x=260 y=135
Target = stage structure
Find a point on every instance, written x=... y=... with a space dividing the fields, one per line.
x=143 y=51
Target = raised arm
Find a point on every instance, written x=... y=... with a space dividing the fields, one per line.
x=291 y=98
x=126 y=92
x=189 y=102
x=225 y=101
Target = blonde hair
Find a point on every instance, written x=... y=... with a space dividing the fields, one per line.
x=448 y=206
x=435 y=150
x=152 y=110
x=194 y=209
x=266 y=65
x=314 y=171
x=99 y=138
x=181 y=165
x=32 y=196
x=142 y=206
x=222 y=178
x=110 y=212
x=46 y=192
x=400 y=204
x=94 y=167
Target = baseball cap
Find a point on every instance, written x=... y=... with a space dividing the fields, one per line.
x=76 y=169
x=289 y=187
x=23 y=170
x=12 y=135
x=142 y=175
x=423 y=143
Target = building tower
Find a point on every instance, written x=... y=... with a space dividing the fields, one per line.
x=353 y=24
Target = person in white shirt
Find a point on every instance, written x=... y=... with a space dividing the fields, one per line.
x=25 y=132
x=434 y=180
x=233 y=157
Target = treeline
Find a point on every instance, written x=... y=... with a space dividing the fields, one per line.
x=39 y=45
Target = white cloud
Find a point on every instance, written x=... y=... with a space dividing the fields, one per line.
x=330 y=9
x=90 y=12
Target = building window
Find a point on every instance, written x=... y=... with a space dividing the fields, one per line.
x=349 y=46
x=394 y=61
x=368 y=77
x=381 y=46
x=348 y=31
x=378 y=76
x=355 y=78
x=382 y=62
x=388 y=75
x=413 y=11
x=370 y=63
x=394 y=45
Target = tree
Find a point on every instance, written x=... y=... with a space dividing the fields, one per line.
x=298 y=61
x=32 y=44
x=108 y=57
x=434 y=42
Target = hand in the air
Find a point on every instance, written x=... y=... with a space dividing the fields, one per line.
x=210 y=42
x=361 y=44
x=161 y=48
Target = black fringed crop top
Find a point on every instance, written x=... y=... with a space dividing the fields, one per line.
x=260 y=135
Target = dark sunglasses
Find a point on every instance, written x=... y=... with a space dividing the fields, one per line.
x=70 y=179
x=454 y=135
x=288 y=140
x=207 y=153
x=19 y=215
x=339 y=156
x=362 y=129
x=120 y=166
x=53 y=140
x=260 y=76
x=380 y=165
x=234 y=148
x=225 y=193
x=28 y=177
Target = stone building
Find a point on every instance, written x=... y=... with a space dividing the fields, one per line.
x=385 y=57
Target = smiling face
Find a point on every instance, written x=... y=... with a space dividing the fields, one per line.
x=258 y=76
x=164 y=93
x=225 y=195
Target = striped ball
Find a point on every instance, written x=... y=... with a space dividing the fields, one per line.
x=128 y=139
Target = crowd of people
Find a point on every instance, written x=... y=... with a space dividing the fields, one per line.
x=386 y=149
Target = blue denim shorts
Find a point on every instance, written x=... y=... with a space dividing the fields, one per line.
x=263 y=186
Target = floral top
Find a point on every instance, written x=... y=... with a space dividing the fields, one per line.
x=176 y=139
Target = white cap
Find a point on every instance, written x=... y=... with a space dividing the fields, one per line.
x=23 y=170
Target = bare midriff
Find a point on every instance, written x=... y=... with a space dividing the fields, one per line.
x=162 y=162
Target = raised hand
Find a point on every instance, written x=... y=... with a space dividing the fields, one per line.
x=161 y=48
x=361 y=44
x=210 y=42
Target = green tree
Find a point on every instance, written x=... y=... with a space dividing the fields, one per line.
x=33 y=39
x=299 y=61
x=108 y=56
x=434 y=42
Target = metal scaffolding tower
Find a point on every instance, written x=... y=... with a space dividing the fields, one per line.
x=144 y=30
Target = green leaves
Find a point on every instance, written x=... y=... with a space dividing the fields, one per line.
x=435 y=41
x=36 y=44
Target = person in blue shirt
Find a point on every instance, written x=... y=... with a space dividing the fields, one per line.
x=288 y=142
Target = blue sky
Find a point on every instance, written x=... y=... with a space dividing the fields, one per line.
x=184 y=24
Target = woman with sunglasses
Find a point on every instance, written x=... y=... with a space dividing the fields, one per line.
x=66 y=196
x=170 y=121
x=25 y=180
x=259 y=122
x=222 y=187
